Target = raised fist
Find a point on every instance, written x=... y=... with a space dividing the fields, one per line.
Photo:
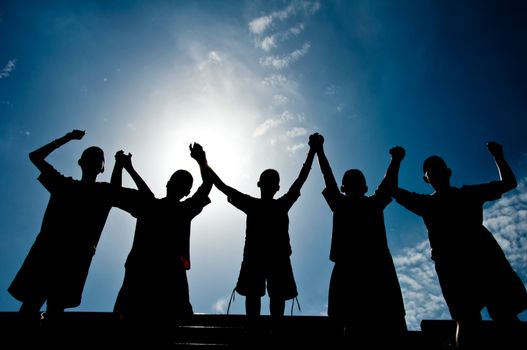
x=397 y=153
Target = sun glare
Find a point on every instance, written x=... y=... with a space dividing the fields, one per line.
x=227 y=140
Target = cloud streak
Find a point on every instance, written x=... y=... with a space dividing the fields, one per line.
x=220 y=306
x=260 y=24
x=8 y=68
x=280 y=62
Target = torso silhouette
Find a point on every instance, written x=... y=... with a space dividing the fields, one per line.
x=59 y=260
x=471 y=266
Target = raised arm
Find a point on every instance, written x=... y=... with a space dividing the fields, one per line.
x=507 y=177
x=197 y=152
x=329 y=178
x=209 y=175
x=124 y=161
x=390 y=183
x=38 y=156
x=314 y=144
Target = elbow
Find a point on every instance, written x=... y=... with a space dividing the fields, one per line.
x=510 y=185
x=33 y=157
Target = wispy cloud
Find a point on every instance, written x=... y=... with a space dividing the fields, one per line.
x=505 y=218
x=280 y=99
x=261 y=24
x=275 y=80
x=266 y=126
x=421 y=292
x=270 y=42
x=213 y=58
x=271 y=123
x=220 y=306
x=280 y=62
x=296 y=131
x=296 y=11
x=269 y=32
x=8 y=68
x=296 y=147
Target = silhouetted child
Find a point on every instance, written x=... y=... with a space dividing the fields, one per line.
x=56 y=267
x=472 y=269
x=267 y=250
x=155 y=286
x=364 y=292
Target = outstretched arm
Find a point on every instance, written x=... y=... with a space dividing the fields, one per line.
x=220 y=185
x=390 y=183
x=124 y=161
x=209 y=175
x=314 y=144
x=329 y=178
x=38 y=156
x=507 y=177
x=197 y=152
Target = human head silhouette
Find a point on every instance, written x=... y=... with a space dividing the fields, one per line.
x=436 y=172
x=92 y=161
x=179 y=184
x=269 y=183
x=354 y=183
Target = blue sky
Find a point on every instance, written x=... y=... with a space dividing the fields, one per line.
x=250 y=80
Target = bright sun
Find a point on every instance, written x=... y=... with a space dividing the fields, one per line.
x=226 y=139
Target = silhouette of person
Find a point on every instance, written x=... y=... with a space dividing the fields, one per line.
x=56 y=267
x=267 y=249
x=472 y=269
x=364 y=292
x=155 y=287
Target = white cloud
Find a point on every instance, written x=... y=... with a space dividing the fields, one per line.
x=271 y=123
x=507 y=220
x=271 y=41
x=295 y=132
x=220 y=306
x=280 y=99
x=275 y=80
x=213 y=58
x=284 y=61
x=297 y=29
x=268 y=43
x=421 y=292
x=266 y=126
x=8 y=68
x=296 y=147
x=260 y=24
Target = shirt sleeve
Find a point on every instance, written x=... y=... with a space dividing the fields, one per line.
x=414 y=202
x=290 y=198
x=490 y=191
x=240 y=200
x=381 y=197
x=52 y=180
x=131 y=200
x=332 y=198
x=196 y=204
